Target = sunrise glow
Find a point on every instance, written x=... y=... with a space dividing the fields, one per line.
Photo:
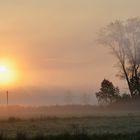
x=7 y=73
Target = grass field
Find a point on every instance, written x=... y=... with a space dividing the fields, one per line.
x=87 y=126
x=67 y=123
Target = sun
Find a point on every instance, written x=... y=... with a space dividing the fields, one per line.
x=3 y=69
x=7 y=74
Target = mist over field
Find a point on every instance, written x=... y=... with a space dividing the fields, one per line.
x=70 y=70
x=34 y=96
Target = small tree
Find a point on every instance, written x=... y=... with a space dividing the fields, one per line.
x=108 y=93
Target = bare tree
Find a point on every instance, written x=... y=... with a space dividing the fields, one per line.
x=123 y=37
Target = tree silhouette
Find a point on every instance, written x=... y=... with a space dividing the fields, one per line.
x=124 y=40
x=108 y=93
x=125 y=97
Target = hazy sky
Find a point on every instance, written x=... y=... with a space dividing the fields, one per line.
x=53 y=43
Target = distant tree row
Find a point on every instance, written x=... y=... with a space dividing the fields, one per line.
x=85 y=98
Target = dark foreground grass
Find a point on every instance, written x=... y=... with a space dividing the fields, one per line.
x=82 y=136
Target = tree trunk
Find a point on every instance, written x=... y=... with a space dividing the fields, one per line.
x=127 y=79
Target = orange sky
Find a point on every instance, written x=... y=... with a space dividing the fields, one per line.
x=53 y=43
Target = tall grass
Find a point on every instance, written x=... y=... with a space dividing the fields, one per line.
x=80 y=136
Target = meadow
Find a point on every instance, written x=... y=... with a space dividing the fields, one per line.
x=100 y=124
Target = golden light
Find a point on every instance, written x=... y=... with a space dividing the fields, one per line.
x=3 y=69
x=7 y=73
